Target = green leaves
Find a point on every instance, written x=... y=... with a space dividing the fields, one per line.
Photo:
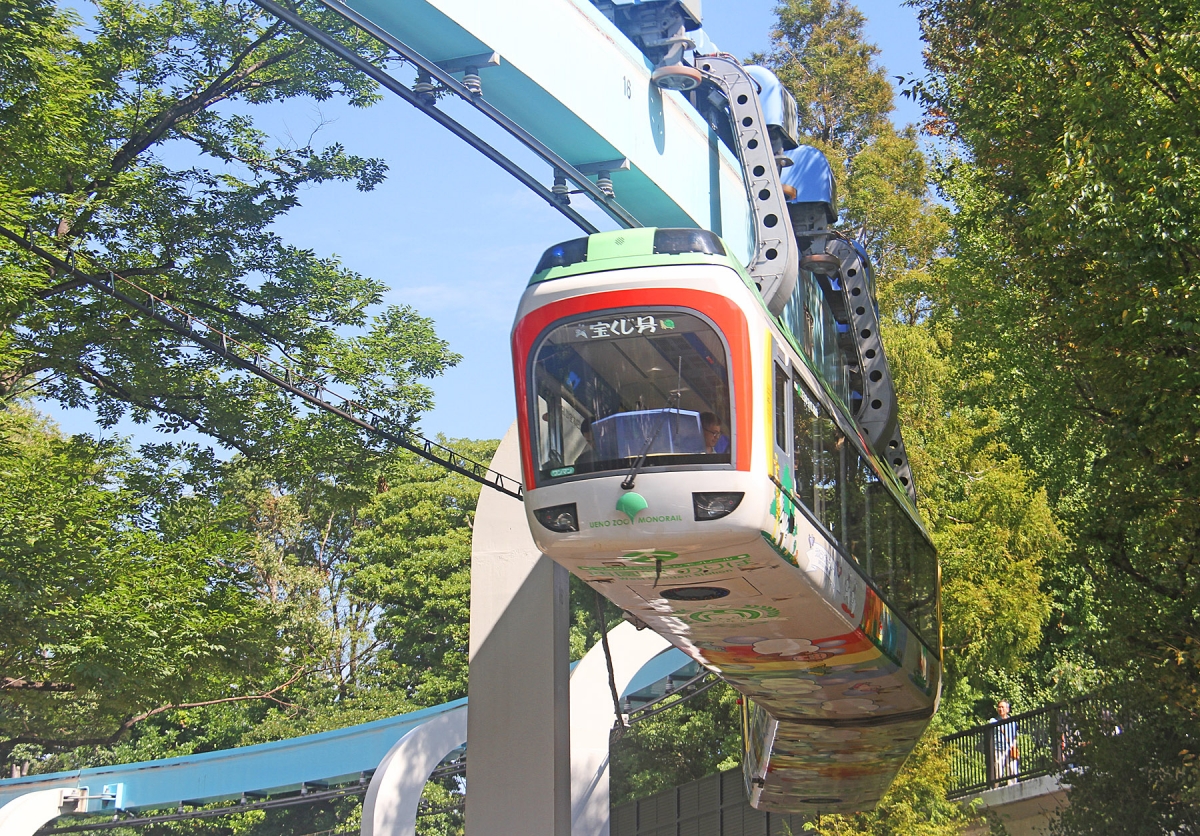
x=820 y=54
x=141 y=153
x=1074 y=304
x=414 y=559
x=103 y=617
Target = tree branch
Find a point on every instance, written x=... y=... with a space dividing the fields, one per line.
x=109 y=386
x=73 y=284
x=126 y=725
x=9 y=683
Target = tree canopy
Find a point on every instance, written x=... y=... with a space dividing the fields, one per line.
x=131 y=142
x=112 y=611
x=1040 y=321
x=1071 y=163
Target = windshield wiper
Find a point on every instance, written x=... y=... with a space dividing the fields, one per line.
x=627 y=484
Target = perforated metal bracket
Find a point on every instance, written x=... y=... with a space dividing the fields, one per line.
x=775 y=263
x=877 y=413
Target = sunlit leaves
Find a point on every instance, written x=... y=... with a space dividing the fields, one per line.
x=142 y=152
x=104 y=615
x=1074 y=286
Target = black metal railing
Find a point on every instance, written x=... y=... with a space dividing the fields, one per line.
x=1028 y=745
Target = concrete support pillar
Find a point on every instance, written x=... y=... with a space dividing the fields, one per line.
x=518 y=762
x=390 y=808
x=592 y=718
x=26 y=814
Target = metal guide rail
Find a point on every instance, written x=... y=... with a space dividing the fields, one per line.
x=469 y=90
x=776 y=260
x=311 y=391
x=878 y=412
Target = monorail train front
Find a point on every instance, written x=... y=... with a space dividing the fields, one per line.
x=656 y=446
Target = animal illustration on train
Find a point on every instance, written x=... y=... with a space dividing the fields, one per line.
x=724 y=465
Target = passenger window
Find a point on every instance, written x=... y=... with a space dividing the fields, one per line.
x=856 y=497
x=781 y=402
x=828 y=465
x=842 y=489
x=804 y=417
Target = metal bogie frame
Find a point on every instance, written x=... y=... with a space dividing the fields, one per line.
x=775 y=263
x=877 y=414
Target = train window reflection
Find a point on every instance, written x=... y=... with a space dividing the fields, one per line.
x=611 y=386
x=843 y=490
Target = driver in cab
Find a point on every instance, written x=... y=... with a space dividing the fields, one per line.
x=715 y=441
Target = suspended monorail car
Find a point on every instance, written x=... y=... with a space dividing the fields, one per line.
x=689 y=455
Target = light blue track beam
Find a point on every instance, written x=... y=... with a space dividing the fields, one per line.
x=282 y=766
x=570 y=78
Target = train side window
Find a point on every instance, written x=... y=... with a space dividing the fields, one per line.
x=843 y=491
x=857 y=501
x=819 y=454
x=883 y=516
x=781 y=403
x=829 y=449
x=924 y=604
x=805 y=413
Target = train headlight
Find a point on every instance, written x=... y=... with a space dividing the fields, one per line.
x=713 y=506
x=560 y=518
x=564 y=254
x=676 y=241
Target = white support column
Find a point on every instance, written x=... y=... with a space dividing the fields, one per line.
x=26 y=814
x=518 y=767
x=390 y=808
x=592 y=719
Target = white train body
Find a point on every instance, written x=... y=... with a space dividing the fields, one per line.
x=617 y=355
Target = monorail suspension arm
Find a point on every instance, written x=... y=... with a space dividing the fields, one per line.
x=776 y=260
x=310 y=391
x=774 y=266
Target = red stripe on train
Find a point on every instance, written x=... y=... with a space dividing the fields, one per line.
x=727 y=316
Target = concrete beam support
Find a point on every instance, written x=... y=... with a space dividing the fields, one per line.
x=26 y=814
x=390 y=808
x=518 y=769
x=592 y=719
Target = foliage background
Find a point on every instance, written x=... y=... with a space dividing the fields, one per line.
x=1040 y=315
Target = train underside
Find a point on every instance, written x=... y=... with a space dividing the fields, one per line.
x=838 y=688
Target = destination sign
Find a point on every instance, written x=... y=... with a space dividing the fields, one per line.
x=620 y=326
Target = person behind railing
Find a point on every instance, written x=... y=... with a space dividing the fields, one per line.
x=1004 y=743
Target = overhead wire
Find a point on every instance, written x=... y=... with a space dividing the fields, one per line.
x=311 y=391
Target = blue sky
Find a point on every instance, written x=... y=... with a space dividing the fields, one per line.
x=456 y=238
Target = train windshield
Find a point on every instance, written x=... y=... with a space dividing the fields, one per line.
x=611 y=387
